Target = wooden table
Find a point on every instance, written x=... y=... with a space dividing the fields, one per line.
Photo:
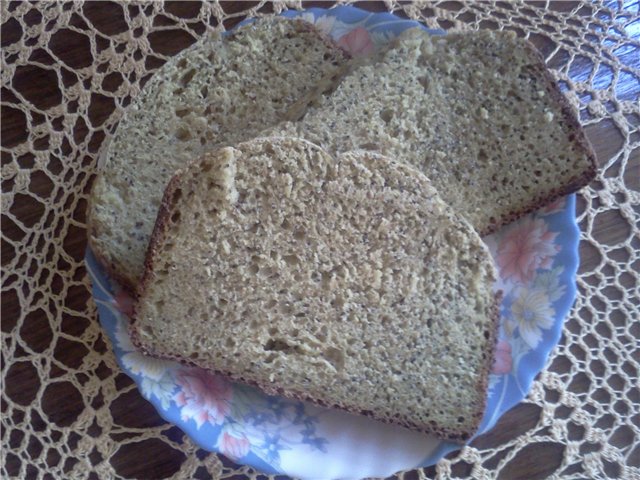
x=155 y=460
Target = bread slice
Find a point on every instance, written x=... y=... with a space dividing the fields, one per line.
x=219 y=92
x=478 y=113
x=347 y=282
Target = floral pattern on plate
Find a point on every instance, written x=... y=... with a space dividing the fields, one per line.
x=243 y=417
x=537 y=261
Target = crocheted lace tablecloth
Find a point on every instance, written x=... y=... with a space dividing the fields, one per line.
x=69 y=70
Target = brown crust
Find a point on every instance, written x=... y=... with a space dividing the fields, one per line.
x=109 y=266
x=112 y=270
x=157 y=236
x=575 y=133
x=457 y=436
x=483 y=378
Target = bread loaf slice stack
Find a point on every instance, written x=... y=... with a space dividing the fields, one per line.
x=221 y=91
x=477 y=112
x=344 y=281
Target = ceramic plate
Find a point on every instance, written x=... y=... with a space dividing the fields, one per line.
x=537 y=260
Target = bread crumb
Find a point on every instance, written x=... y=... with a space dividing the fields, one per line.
x=377 y=279
x=225 y=247
x=413 y=284
x=288 y=185
x=427 y=48
x=333 y=306
x=484 y=114
x=548 y=117
x=199 y=123
x=384 y=225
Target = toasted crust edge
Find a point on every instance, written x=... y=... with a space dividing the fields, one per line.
x=158 y=234
x=576 y=135
x=483 y=380
x=460 y=437
x=160 y=229
x=112 y=269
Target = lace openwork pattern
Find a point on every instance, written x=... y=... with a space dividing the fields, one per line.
x=63 y=395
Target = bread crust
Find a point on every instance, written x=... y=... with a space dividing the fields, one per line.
x=159 y=230
x=112 y=270
x=459 y=436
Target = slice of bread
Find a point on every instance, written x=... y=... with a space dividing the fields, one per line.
x=478 y=113
x=347 y=282
x=221 y=91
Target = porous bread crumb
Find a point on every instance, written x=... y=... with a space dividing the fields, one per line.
x=475 y=111
x=360 y=288
x=218 y=92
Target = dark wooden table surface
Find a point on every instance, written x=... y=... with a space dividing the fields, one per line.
x=542 y=458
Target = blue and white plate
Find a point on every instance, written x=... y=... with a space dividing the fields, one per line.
x=537 y=259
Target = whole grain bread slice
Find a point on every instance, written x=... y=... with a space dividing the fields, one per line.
x=220 y=91
x=477 y=112
x=347 y=282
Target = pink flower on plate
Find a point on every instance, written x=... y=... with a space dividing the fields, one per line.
x=232 y=446
x=503 y=360
x=203 y=397
x=525 y=247
x=123 y=302
x=357 y=42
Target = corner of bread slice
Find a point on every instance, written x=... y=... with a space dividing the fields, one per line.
x=483 y=380
x=577 y=135
x=464 y=436
x=573 y=129
x=115 y=267
x=179 y=190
